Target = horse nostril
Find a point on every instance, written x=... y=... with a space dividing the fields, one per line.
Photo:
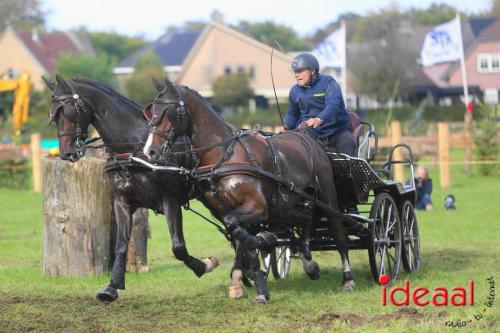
x=152 y=154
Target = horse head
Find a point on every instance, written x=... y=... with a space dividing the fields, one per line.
x=72 y=117
x=167 y=118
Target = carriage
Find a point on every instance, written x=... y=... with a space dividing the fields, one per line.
x=379 y=212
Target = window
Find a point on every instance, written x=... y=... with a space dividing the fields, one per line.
x=495 y=62
x=488 y=63
x=240 y=68
x=251 y=72
x=227 y=69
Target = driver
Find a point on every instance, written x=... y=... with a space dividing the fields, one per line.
x=316 y=101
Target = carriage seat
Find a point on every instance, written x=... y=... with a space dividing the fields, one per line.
x=358 y=132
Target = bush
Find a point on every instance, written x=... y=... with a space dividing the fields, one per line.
x=15 y=174
x=485 y=136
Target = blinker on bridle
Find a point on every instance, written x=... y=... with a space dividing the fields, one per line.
x=156 y=118
x=78 y=133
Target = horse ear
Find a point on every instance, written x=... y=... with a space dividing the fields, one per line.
x=170 y=86
x=157 y=84
x=50 y=84
x=60 y=81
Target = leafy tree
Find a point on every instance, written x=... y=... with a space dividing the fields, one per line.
x=322 y=33
x=21 y=14
x=495 y=9
x=383 y=69
x=432 y=15
x=96 y=67
x=116 y=45
x=268 y=31
x=232 y=89
x=139 y=87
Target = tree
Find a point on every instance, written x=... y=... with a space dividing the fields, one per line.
x=232 y=89
x=269 y=31
x=21 y=14
x=495 y=9
x=139 y=87
x=98 y=67
x=383 y=68
x=433 y=15
x=116 y=45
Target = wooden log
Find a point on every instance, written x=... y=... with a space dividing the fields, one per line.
x=80 y=228
x=77 y=215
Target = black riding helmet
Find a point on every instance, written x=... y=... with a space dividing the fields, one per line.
x=305 y=60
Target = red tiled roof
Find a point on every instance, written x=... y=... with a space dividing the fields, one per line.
x=48 y=46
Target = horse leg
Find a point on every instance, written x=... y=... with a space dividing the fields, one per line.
x=249 y=212
x=310 y=266
x=236 y=291
x=253 y=269
x=337 y=229
x=173 y=214
x=123 y=214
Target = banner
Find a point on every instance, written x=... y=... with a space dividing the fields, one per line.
x=331 y=51
x=443 y=43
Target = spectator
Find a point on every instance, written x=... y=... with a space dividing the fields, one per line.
x=423 y=186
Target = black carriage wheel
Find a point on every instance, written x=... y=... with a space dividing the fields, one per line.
x=411 y=238
x=280 y=262
x=384 y=250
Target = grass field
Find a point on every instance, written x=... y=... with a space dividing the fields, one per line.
x=456 y=246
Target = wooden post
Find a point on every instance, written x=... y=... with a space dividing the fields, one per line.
x=444 y=154
x=396 y=139
x=77 y=213
x=36 y=160
x=80 y=227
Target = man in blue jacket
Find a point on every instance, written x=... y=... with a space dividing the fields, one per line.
x=316 y=101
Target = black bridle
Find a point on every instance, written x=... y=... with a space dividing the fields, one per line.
x=155 y=119
x=80 y=135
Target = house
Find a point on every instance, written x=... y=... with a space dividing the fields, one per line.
x=197 y=58
x=37 y=52
x=442 y=82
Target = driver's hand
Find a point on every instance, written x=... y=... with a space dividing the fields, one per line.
x=313 y=122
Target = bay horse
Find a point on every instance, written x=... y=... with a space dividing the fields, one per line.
x=76 y=104
x=234 y=162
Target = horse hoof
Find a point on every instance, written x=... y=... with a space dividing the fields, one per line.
x=313 y=271
x=107 y=295
x=349 y=286
x=211 y=263
x=260 y=299
x=236 y=292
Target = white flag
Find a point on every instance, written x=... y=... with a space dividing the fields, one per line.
x=443 y=43
x=330 y=52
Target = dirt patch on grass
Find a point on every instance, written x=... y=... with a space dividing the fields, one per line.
x=327 y=319
x=353 y=320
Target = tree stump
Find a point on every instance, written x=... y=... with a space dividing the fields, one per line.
x=137 y=259
x=78 y=226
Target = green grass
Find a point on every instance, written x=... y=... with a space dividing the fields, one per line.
x=456 y=246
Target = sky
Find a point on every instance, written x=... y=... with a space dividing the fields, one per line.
x=149 y=18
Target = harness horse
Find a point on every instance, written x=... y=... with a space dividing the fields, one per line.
x=254 y=183
x=76 y=104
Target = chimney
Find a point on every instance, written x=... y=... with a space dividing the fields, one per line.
x=34 y=35
x=217 y=17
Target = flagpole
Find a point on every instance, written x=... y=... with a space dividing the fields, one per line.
x=344 y=62
x=467 y=115
x=462 y=63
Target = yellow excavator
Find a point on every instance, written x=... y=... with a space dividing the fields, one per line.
x=21 y=87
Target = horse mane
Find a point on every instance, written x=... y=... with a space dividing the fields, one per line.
x=203 y=101
x=107 y=89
